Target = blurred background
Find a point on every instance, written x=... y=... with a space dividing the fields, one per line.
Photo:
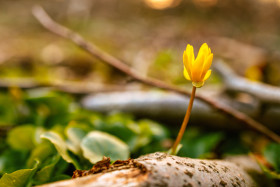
x=150 y=35
x=49 y=84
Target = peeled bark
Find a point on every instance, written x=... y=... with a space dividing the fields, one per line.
x=161 y=169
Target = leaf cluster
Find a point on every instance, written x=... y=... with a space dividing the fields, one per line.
x=50 y=136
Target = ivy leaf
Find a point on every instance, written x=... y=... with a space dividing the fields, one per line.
x=98 y=144
x=155 y=130
x=271 y=153
x=75 y=136
x=60 y=146
x=44 y=175
x=12 y=160
x=18 y=178
x=22 y=137
x=8 y=112
x=41 y=152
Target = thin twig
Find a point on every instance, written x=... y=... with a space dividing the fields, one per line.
x=65 y=86
x=66 y=33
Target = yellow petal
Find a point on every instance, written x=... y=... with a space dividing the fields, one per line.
x=190 y=55
x=197 y=68
x=209 y=50
x=186 y=74
x=204 y=50
x=207 y=75
x=207 y=64
x=186 y=62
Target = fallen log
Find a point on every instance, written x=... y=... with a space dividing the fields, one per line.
x=170 y=108
x=161 y=169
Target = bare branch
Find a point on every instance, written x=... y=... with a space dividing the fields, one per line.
x=64 y=32
x=65 y=86
x=264 y=92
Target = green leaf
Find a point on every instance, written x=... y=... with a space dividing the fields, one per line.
x=61 y=168
x=149 y=131
x=22 y=137
x=60 y=146
x=19 y=178
x=45 y=174
x=157 y=131
x=75 y=136
x=271 y=153
x=12 y=160
x=50 y=108
x=121 y=126
x=197 y=144
x=41 y=153
x=98 y=144
x=8 y=112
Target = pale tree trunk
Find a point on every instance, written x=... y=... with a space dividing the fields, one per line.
x=161 y=169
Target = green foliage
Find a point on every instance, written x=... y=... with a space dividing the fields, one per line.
x=49 y=130
x=271 y=154
x=18 y=178
x=41 y=153
x=46 y=172
x=197 y=144
x=121 y=126
x=22 y=138
x=50 y=108
x=60 y=146
x=12 y=160
x=234 y=145
x=75 y=135
x=98 y=144
x=8 y=112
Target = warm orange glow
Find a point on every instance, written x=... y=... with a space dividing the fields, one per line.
x=159 y=4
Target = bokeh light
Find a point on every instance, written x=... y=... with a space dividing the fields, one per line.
x=161 y=4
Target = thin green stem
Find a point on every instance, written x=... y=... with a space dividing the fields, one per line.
x=185 y=122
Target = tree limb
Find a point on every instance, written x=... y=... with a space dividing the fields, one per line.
x=161 y=169
x=264 y=92
x=64 y=32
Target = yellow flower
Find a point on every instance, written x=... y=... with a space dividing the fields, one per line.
x=197 y=69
